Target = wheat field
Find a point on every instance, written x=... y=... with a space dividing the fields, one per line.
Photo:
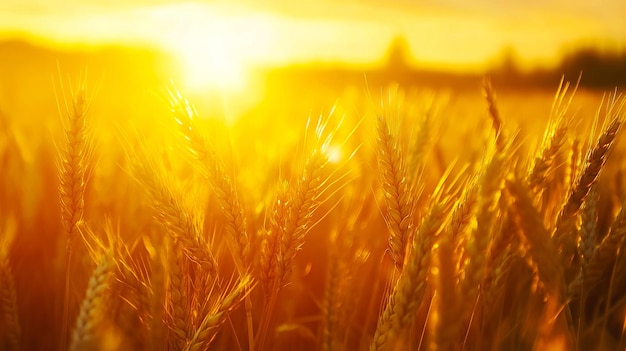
x=384 y=227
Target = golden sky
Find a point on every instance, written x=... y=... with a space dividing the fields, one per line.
x=449 y=32
x=452 y=33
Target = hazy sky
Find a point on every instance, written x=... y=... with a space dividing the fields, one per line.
x=454 y=33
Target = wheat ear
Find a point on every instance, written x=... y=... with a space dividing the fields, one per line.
x=409 y=289
x=224 y=189
x=142 y=296
x=398 y=199
x=498 y=262
x=589 y=228
x=575 y=162
x=542 y=250
x=603 y=257
x=73 y=166
x=564 y=234
x=207 y=330
x=292 y=219
x=303 y=204
x=487 y=215
x=308 y=194
x=92 y=307
x=450 y=256
x=178 y=301
x=554 y=140
x=494 y=114
x=180 y=222
x=221 y=184
x=419 y=148
x=271 y=241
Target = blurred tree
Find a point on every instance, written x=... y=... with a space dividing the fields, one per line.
x=509 y=61
x=599 y=68
x=398 y=55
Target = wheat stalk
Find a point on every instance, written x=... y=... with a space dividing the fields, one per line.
x=331 y=306
x=158 y=281
x=292 y=219
x=8 y=302
x=446 y=329
x=72 y=173
x=222 y=185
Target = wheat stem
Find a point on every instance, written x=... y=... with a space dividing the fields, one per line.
x=8 y=306
x=72 y=189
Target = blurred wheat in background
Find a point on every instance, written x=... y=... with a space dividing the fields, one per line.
x=204 y=186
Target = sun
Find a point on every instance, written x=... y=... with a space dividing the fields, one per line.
x=209 y=61
x=215 y=50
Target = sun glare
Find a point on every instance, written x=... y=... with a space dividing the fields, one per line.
x=216 y=50
x=333 y=153
x=208 y=62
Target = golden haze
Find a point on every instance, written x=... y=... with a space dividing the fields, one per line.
x=184 y=201
x=220 y=41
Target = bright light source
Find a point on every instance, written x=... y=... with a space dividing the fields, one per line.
x=333 y=153
x=218 y=50
x=209 y=63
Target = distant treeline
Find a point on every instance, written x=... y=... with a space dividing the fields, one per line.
x=600 y=70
